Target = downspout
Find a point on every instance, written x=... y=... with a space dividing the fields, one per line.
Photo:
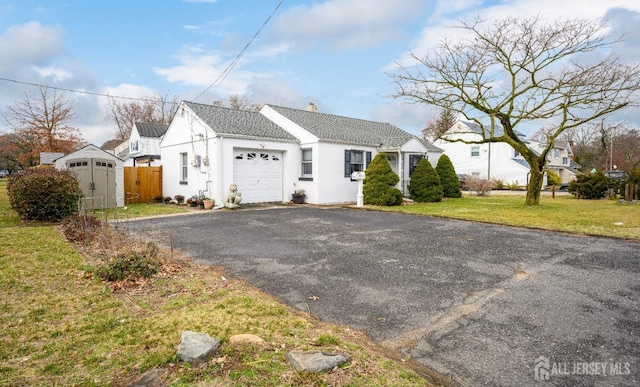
x=218 y=169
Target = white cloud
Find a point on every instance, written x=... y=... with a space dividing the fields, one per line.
x=55 y=73
x=346 y=24
x=29 y=44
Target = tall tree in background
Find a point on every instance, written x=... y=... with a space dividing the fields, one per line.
x=155 y=109
x=523 y=71
x=41 y=122
x=440 y=124
x=237 y=102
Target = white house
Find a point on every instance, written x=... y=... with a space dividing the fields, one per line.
x=497 y=160
x=100 y=174
x=559 y=159
x=271 y=153
x=143 y=146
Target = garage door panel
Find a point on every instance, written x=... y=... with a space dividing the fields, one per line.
x=258 y=175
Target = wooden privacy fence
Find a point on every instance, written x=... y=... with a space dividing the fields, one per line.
x=142 y=184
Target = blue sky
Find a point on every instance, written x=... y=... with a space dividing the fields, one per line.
x=334 y=53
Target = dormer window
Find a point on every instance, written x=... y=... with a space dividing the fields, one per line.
x=133 y=146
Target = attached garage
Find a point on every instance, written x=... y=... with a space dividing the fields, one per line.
x=100 y=174
x=258 y=175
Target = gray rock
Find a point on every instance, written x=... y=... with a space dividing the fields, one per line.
x=197 y=347
x=151 y=378
x=315 y=361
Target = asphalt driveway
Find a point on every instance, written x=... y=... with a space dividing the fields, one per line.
x=489 y=305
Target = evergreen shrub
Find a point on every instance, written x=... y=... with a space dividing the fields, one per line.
x=425 y=183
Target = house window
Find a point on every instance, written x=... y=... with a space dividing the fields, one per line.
x=184 y=167
x=354 y=161
x=556 y=153
x=475 y=151
x=516 y=153
x=413 y=162
x=307 y=164
x=134 y=146
x=565 y=160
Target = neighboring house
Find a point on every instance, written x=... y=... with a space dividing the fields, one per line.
x=100 y=174
x=47 y=159
x=271 y=153
x=559 y=159
x=496 y=160
x=143 y=146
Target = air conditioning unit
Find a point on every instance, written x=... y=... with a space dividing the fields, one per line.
x=195 y=162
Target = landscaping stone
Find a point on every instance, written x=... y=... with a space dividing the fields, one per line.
x=315 y=361
x=246 y=338
x=197 y=347
x=151 y=378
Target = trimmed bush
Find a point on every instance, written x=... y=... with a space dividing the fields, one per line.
x=553 y=178
x=592 y=185
x=425 y=183
x=448 y=178
x=379 y=183
x=44 y=194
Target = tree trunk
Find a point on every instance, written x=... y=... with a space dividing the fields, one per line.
x=534 y=187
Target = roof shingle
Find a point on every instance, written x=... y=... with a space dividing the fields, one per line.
x=239 y=122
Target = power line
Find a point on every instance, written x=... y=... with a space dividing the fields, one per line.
x=226 y=71
x=220 y=78
x=77 y=91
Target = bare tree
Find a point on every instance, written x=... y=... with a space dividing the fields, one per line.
x=41 y=122
x=523 y=71
x=238 y=102
x=440 y=124
x=156 y=108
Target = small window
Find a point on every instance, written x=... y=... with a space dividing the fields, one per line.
x=354 y=161
x=264 y=156
x=184 y=167
x=134 y=146
x=565 y=160
x=556 y=153
x=84 y=164
x=516 y=153
x=475 y=151
x=413 y=162
x=240 y=156
x=307 y=162
x=251 y=156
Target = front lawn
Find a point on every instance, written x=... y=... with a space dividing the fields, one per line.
x=563 y=213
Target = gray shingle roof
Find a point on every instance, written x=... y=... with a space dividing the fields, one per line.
x=333 y=128
x=239 y=122
x=146 y=129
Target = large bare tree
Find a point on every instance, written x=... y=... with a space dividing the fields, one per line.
x=516 y=72
x=155 y=108
x=40 y=122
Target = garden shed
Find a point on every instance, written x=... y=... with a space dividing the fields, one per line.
x=100 y=174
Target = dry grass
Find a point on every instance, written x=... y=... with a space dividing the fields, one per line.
x=63 y=326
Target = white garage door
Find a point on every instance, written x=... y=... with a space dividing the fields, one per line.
x=258 y=175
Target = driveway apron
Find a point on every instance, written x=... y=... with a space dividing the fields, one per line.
x=485 y=304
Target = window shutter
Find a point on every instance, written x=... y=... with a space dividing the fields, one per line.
x=368 y=160
x=347 y=163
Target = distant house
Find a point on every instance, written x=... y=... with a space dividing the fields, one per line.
x=559 y=159
x=143 y=146
x=274 y=152
x=498 y=160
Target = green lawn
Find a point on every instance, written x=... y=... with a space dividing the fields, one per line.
x=563 y=213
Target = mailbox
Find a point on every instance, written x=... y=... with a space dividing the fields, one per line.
x=357 y=176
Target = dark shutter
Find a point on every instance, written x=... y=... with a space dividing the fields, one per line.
x=368 y=160
x=347 y=163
